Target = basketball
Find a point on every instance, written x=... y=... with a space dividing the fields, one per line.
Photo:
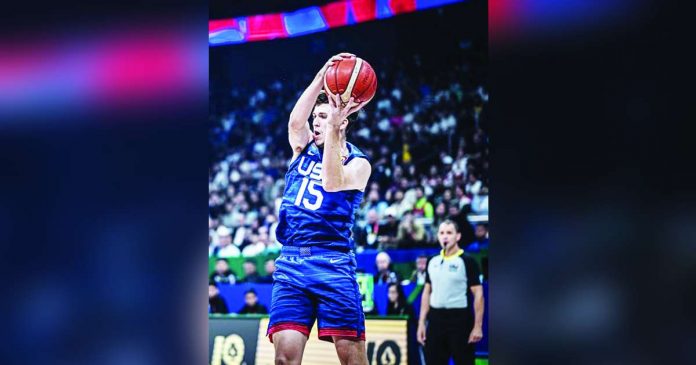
x=351 y=77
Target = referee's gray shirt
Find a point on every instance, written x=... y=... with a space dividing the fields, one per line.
x=450 y=279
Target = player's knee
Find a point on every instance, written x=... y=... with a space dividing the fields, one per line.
x=281 y=359
x=284 y=358
x=351 y=352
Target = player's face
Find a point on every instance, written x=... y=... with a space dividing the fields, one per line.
x=321 y=119
x=447 y=235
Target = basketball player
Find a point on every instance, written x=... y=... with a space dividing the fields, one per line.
x=315 y=274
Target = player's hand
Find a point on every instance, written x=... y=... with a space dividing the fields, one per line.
x=330 y=62
x=420 y=334
x=340 y=111
x=476 y=335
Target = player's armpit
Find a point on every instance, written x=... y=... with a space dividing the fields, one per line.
x=356 y=174
x=298 y=137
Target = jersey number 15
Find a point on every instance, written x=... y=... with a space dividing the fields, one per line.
x=309 y=186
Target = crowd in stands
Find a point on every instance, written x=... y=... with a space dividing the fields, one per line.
x=396 y=305
x=425 y=138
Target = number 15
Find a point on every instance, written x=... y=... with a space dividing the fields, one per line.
x=310 y=187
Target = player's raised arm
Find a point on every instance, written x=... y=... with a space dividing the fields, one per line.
x=335 y=175
x=299 y=133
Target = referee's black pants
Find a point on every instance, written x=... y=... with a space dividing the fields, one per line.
x=447 y=336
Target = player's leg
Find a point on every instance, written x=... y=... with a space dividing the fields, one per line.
x=292 y=314
x=350 y=351
x=339 y=308
x=289 y=347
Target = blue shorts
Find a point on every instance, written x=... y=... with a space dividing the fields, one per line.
x=316 y=284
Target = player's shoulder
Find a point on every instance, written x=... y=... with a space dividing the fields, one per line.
x=309 y=149
x=354 y=151
x=357 y=158
x=360 y=164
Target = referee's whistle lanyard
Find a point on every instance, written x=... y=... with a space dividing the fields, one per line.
x=444 y=257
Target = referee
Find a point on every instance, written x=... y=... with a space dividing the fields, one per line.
x=452 y=329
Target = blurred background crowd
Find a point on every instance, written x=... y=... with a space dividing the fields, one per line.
x=424 y=132
x=425 y=137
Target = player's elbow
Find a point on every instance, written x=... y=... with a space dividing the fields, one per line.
x=331 y=187
x=296 y=123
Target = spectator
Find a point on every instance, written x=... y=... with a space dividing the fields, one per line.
x=216 y=304
x=251 y=275
x=270 y=268
x=384 y=273
x=418 y=275
x=258 y=245
x=440 y=214
x=251 y=304
x=422 y=208
x=272 y=246
x=373 y=202
x=411 y=232
x=408 y=133
x=225 y=246
x=398 y=206
x=397 y=305
x=367 y=235
x=479 y=203
x=473 y=185
x=480 y=239
x=223 y=274
x=459 y=166
x=386 y=235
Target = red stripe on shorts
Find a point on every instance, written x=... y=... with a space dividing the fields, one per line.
x=287 y=326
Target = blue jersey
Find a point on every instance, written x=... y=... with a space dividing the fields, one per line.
x=309 y=216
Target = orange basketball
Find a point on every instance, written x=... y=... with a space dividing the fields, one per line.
x=351 y=77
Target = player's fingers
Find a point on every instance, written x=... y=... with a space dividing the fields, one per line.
x=351 y=103
x=356 y=107
x=330 y=96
